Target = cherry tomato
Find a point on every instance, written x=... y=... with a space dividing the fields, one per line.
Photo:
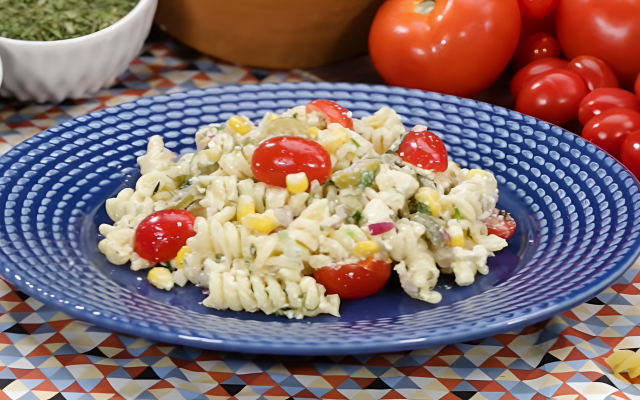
x=424 y=150
x=354 y=281
x=553 y=96
x=501 y=224
x=280 y=156
x=533 y=69
x=594 y=71
x=609 y=30
x=162 y=234
x=603 y=99
x=457 y=47
x=536 y=47
x=630 y=154
x=332 y=112
x=537 y=8
x=637 y=88
x=610 y=129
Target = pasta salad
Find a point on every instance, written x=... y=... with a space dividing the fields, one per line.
x=304 y=209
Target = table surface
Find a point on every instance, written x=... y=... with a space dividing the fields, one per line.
x=44 y=354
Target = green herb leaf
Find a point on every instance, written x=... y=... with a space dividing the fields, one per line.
x=185 y=181
x=321 y=228
x=356 y=217
x=456 y=214
x=221 y=127
x=367 y=178
x=167 y=265
x=396 y=145
x=295 y=115
x=219 y=257
x=355 y=143
x=423 y=208
x=156 y=189
x=283 y=235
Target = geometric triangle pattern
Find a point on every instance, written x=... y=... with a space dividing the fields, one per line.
x=45 y=354
x=164 y=66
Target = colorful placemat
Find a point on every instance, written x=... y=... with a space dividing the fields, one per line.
x=45 y=354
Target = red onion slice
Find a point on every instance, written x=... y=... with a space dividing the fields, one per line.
x=380 y=228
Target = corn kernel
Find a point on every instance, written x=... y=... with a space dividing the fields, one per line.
x=297 y=183
x=457 y=236
x=365 y=249
x=474 y=172
x=245 y=206
x=431 y=198
x=239 y=125
x=264 y=223
x=335 y=140
x=313 y=132
x=180 y=256
x=161 y=278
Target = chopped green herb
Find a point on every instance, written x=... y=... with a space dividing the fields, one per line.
x=279 y=313
x=283 y=235
x=167 y=265
x=350 y=233
x=456 y=213
x=356 y=217
x=156 y=189
x=396 y=145
x=185 y=181
x=46 y=20
x=295 y=115
x=423 y=208
x=355 y=143
x=219 y=257
x=321 y=228
x=367 y=178
x=221 y=127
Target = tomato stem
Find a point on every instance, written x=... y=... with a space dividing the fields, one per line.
x=425 y=7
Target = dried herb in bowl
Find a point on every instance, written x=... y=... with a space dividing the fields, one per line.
x=46 y=20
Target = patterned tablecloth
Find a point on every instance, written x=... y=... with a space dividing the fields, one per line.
x=44 y=354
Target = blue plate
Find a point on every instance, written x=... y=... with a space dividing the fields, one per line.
x=577 y=209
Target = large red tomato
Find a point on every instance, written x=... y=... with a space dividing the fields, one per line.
x=609 y=30
x=553 y=96
x=458 y=47
x=637 y=88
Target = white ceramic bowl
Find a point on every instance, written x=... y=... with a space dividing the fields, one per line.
x=53 y=71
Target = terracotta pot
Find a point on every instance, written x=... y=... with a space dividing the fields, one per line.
x=271 y=33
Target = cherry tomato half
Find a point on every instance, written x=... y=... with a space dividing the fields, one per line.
x=457 y=47
x=609 y=30
x=162 y=234
x=280 y=156
x=332 y=112
x=603 y=99
x=533 y=69
x=630 y=154
x=536 y=47
x=594 y=71
x=537 y=8
x=354 y=281
x=610 y=129
x=501 y=224
x=424 y=150
x=553 y=96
